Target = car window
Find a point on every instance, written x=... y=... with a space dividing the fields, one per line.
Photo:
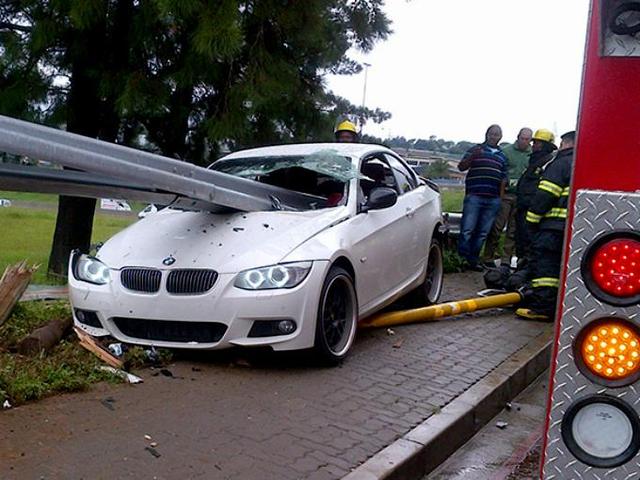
x=405 y=179
x=376 y=173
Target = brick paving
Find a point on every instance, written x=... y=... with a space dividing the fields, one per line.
x=277 y=417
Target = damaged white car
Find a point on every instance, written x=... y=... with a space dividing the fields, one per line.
x=288 y=280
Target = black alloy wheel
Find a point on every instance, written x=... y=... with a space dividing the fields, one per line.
x=337 y=317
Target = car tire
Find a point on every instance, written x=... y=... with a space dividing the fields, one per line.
x=430 y=289
x=337 y=317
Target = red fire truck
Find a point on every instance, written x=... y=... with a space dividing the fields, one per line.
x=593 y=422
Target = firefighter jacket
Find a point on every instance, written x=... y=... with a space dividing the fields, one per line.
x=548 y=210
x=528 y=183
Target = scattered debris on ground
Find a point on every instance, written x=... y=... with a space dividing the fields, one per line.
x=502 y=425
x=40 y=355
x=126 y=376
x=88 y=342
x=13 y=283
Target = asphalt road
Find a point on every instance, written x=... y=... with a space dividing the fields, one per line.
x=243 y=415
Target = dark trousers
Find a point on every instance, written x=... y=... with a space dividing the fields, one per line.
x=506 y=218
x=523 y=234
x=544 y=271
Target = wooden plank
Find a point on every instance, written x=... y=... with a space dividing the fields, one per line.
x=90 y=344
x=13 y=284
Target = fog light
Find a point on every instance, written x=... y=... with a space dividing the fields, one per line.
x=287 y=326
x=272 y=328
x=88 y=318
x=601 y=431
x=608 y=351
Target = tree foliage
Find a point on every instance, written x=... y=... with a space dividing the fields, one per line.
x=437 y=169
x=185 y=78
x=191 y=76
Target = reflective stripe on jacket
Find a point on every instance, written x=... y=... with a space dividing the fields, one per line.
x=548 y=209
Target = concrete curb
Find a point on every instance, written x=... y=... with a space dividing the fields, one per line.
x=426 y=446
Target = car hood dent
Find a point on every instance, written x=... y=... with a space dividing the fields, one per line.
x=227 y=243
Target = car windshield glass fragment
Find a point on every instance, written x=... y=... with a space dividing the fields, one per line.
x=324 y=173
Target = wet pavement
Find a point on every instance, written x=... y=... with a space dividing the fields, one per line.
x=508 y=447
x=252 y=415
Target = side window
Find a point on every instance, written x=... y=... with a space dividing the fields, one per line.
x=405 y=179
x=376 y=173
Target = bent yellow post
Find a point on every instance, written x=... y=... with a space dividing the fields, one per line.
x=441 y=310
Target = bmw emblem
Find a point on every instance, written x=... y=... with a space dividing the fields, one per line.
x=169 y=260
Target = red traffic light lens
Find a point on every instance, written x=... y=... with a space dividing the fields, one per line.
x=615 y=267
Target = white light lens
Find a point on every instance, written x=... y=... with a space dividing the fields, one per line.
x=287 y=275
x=278 y=276
x=602 y=430
x=92 y=270
x=254 y=278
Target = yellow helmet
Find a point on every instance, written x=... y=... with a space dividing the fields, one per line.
x=544 y=135
x=346 y=126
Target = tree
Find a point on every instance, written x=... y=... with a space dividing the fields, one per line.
x=188 y=76
x=437 y=169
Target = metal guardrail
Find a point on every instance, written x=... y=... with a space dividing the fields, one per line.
x=80 y=184
x=155 y=172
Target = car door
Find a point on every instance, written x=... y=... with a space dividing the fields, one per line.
x=382 y=240
x=419 y=212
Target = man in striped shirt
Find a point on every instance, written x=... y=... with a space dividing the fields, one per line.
x=484 y=186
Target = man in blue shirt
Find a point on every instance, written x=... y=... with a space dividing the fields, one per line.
x=484 y=186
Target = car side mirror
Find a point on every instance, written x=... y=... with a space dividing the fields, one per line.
x=381 y=197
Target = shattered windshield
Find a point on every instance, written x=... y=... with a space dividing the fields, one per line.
x=324 y=173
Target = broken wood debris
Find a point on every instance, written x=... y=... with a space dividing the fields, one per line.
x=13 y=284
x=45 y=337
x=90 y=344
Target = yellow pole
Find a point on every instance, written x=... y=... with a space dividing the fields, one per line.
x=435 y=312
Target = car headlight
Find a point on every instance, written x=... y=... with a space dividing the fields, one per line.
x=92 y=270
x=286 y=275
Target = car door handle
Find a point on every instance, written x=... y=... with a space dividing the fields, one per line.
x=409 y=212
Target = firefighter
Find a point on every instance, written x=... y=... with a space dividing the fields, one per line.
x=547 y=217
x=542 y=153
x=346 y=132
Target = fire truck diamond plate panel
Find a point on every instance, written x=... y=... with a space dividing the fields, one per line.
x=595 y=213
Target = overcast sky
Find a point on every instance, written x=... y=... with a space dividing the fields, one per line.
x=453 y=67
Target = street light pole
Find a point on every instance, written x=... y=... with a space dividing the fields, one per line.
x=364 y=92
x=364 y=88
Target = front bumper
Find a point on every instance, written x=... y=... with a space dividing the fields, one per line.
x=228 y=308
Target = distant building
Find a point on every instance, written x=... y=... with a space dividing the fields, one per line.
x=420 y=159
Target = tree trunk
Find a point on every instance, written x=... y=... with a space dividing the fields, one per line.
x=75 y=215
x=45 y=337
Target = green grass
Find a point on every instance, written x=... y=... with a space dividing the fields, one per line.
x=452 y=199
x=66 y=368
x=27 y=234
x=29 y=197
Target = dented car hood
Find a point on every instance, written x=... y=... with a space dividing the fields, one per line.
x=227 y=243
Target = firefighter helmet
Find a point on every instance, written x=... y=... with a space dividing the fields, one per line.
x=346 y=126
x=544 y=135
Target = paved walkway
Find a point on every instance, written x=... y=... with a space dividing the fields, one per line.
x=271 y=417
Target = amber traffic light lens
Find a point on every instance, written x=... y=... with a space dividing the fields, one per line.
x=611 y=349
x=615 y=267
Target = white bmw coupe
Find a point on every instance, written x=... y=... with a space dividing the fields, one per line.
x=279 y=278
